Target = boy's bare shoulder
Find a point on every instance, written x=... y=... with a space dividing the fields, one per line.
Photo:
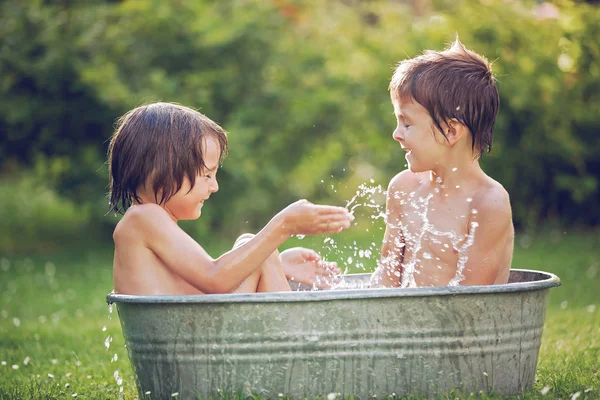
x=493 y=200
x=405 y=181
x=138 y=219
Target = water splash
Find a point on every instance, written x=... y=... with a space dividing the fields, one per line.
x=410 y=267
x=357 y=258
x=463 y=256
x=119 y=381
x=107 y=342
x=364 y=191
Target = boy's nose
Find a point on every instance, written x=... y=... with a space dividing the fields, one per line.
x=397 y=135
x=215 y=187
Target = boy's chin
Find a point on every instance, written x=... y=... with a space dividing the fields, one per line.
x=192 y=216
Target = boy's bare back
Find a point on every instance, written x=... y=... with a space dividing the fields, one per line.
x=136 y=268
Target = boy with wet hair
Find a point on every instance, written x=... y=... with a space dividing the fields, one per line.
x=163 y=161
x=448 y=223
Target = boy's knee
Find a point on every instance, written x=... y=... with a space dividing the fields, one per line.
x=243 y=239
x=273 y=260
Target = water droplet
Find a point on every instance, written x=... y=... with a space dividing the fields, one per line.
x=575 y=396
x=15 y=366
x=17 y=322
x=474 y=211
x=26 y=360
x=51 y=376
x=458 y=186
x=469 y=199
x=454 y=169
x=107 y=342
x=300 y=236
x=563 y=304
x=104 y=328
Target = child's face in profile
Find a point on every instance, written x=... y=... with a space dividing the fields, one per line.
x=416 y=134
x=187 y=204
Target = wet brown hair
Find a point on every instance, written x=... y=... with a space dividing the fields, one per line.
x=454 y=83
x=158 y=144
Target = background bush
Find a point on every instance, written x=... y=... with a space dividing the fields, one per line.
x=302 y=89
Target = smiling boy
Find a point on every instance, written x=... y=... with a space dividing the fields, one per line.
x=448 y=223
x=163 y=161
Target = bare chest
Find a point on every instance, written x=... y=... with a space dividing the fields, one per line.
x=434 y=234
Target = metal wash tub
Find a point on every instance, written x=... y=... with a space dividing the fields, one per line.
x=360 y=342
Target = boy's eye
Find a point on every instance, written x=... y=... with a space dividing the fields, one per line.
x=407 y=126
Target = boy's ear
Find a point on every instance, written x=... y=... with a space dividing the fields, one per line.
x=455 y=131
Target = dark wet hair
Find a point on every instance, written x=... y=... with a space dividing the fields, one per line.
x=158 y=145
x=454 y=83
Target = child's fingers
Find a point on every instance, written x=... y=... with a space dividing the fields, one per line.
x=328 y=268
x=310 y=255
x=331 y=210
x=334 y=226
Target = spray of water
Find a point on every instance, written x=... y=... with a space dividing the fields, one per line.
x=115 y=357
x=364 y=198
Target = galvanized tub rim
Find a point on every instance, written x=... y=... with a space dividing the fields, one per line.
x=548 y=280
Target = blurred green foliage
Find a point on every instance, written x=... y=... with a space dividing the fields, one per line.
x=302 y=89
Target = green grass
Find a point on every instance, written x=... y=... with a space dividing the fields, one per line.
x=53 y=314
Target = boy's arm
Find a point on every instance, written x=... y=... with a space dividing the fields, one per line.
x=389 y=270
x=186 y=258
x=490 y=255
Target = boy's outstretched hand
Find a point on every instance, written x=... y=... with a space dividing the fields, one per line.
x=305 y=218
x=306 y=266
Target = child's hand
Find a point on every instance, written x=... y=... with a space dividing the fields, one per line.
x=306 y=266
x=305 y=218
